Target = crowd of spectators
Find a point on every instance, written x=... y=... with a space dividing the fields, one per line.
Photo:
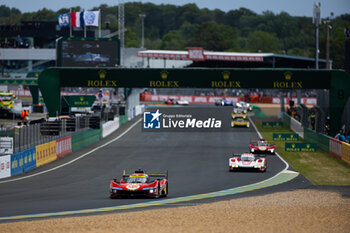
x=342 y=137
x=17 y=42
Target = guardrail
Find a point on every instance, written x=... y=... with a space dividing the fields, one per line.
x=213 y=99
x=55 y=147
x=334 y=147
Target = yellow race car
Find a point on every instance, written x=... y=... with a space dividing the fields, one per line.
x=239 y=113
x=240 y=122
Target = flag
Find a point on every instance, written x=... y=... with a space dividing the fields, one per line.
x=77 y=19
x=91 y=18
x=63 y=20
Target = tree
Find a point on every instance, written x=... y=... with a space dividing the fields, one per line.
x=260 y=41
x=172 y=41
x=213 y=36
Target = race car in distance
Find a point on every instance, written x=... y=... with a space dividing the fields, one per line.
x=247 y=161
x=172 y=101
x=140 y=184
x=262 y=146
x=240 y=122
x=239 y=112
x=245 y=105
x=223 y=102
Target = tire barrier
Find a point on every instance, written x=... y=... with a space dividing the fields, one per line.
x=94 y=122
x=50 y=128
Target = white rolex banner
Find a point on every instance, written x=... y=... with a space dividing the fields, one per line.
x=91 y=18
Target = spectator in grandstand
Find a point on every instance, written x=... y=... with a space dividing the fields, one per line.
x=340 y=136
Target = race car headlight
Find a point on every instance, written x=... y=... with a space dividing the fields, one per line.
x=252 y=150
x=151 y=191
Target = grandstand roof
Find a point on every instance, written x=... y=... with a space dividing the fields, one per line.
x=203 y=58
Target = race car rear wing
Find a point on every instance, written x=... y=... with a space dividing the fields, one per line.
x=256 y=142
x=160 y=175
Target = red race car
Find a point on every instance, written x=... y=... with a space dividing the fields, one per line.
x=262 y=146
x=140 y=184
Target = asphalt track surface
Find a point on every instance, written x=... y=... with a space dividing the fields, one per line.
x=197 y=163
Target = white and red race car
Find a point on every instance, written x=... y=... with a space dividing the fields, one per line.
x=247 y=161
x=262 y=146
x=172 y=101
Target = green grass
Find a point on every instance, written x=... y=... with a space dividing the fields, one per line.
x=318 y=167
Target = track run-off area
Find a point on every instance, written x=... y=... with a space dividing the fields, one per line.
x=197 y=164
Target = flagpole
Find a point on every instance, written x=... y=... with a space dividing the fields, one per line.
x=84 y=24
x=70 y=23
x=99 y=23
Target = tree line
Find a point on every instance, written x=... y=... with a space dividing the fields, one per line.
x=171 y=27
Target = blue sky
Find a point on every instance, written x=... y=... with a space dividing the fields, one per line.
x=293 y=7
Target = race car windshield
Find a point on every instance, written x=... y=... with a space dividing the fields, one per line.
x=247 y=158
x=137 y=180
x=262 y=143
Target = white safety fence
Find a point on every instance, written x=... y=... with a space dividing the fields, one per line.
x=297 y=127
x=110 y=126
x=5 y=166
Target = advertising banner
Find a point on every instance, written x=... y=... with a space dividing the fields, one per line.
x=45 y=153
x=6 y=145
x=345 y=152
x=307 y=101
x=5 y=168
x=335 y=147
x=63 y=146
x=300 y=147
x=285 y=137
x=187 y=119
x=213 y=99
x=272 y=124
x=23 y=161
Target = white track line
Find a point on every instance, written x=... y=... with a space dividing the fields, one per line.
x=260 y=136
x=76 y=159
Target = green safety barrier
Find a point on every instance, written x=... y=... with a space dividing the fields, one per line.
x=286 y=120
x=7 y=133
x=321 y=140
x=85 y=138
x=123 y=119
